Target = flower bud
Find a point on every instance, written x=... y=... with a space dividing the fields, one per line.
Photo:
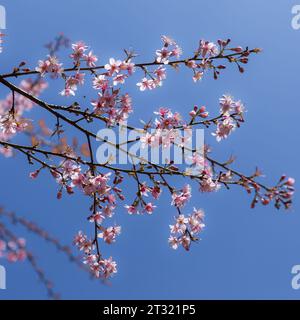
x=290 y=182
x=202 y=109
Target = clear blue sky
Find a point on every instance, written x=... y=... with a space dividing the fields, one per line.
x=244 y=253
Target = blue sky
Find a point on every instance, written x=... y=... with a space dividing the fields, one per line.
x=244 y=253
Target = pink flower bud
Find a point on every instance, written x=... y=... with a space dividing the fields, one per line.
x=237 y=49
x=244 y=60
x=121 y=196
x=282 y=177
x=34 y=174
x=69 y=189
x=290 y=182
x=202 y=109
x=265 y=201
x=192 y=113
x=241 y=69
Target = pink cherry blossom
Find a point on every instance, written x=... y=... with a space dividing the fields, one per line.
x=176 y=51
x=72 y=83
x=128 y=66
x=50 y=65
x=108 y=210
x=9 y=125
x=79 y=49
x=208 y=184
x=174 y=242
x=90 y=259
x=169 y=49
x=95 y=269
x=90 y=59
x=163 y=55
x=167 y=40
x=6 y=151
x=113 y=66
x=226 y=103
x=156 y=192
x=97 y=217
x=131 y=209
x=149 y=207
x=109 y=235
x=67 y=92
x=224 y=128
x=109 y=267
x=119 y=79
x=160 y=73
x=207 y=48
x=290 y=182
x=186 y=242
x=197 y=160
x=239 y=107
x=180 y=199
x=197 y=76
x=100 y=82
x=186 y=228
x=146 y=84
x=144 y=189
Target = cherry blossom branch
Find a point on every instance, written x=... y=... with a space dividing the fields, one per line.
x=244 y=179
x=230 y=57
x=112 y=109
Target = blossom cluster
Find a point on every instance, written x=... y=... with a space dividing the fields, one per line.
x=109 y=102
x=146 y=206
x=13 y=251
x=186 y=229
x=50 y=65
x=12 y=109
x=100 y=267
x=154 y=79
x=198 y=112
x=170 y=49
x=281 y=194
x=206 y=50
x=167 y=119
x=179 y=199
x=231 y=116
x=165 y=132
x=69 y=175
x=117 y=107
x=208 y=183
x=78 y=55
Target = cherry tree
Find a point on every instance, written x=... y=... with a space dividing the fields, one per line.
x=74 y=166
